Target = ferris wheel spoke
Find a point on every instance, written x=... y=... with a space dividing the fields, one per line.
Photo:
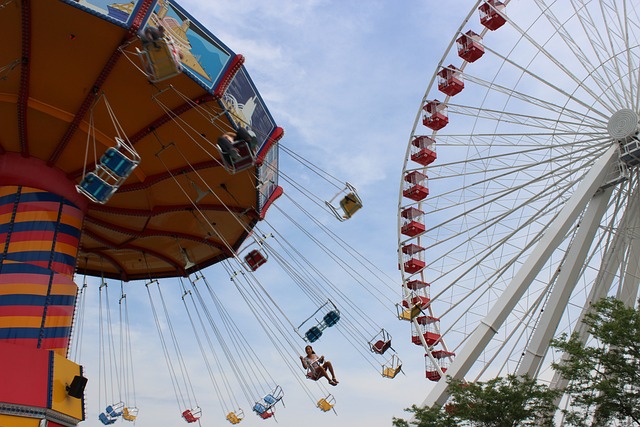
x=480 y=258
x=605 y=57
x=526 y=70
x=618 y=35
x=521 y=119
x=528 y=98
x=556 y=163
x=546 y=140
x=496 y=246
x=576 y=48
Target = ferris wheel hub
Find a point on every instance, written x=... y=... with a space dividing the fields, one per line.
x=623 y=125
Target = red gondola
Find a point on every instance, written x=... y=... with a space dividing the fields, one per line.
x=412 y=222
x=413 y=258
x=192 y=415
x=450 y=81
x=435 y=116
x=469 y=47
x=443 y=359
x=423 y=150
x=415 y=186
x=428 y=327
x=419 y=295
x=492 y=14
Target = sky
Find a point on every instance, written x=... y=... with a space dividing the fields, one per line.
x=345 y=80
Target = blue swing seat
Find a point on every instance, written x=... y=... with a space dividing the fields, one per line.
x=313 y=334
x=112 y=411
x=331 y=318
x=117 y=162
x=259 y=408
x=104 y=419
x=95 y=188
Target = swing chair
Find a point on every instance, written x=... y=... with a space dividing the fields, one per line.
x=234 y=417
x=114 y=166
x=265 y=406
x=160 y=59
x=330 y=318
x=245 y=145
x=349 y=203
x=392 y=367
x=327 y=404
x=381 y=342
x=111 y=413
x=112 y=170
x=254 y=255
x=193 y=412
x=130 y=413
x=192 y=415
x=408 y=309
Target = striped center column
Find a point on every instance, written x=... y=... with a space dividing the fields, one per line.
x=39 y=236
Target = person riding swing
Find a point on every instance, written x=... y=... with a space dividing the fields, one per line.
x=228 y=144
x=317 y=367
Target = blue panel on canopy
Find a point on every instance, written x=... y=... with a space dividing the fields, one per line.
x=120 y=13
x=204 y=57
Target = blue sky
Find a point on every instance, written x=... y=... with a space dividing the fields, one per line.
x=345 y=80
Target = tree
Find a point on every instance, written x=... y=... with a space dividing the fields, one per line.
x=604 y=375
x=500 y=402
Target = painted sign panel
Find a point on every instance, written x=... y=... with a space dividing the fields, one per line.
x=202 y=55
x=268 y=174
x=245 y=107
x=114 y=11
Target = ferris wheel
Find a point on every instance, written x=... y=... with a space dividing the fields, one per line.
x=518 y=199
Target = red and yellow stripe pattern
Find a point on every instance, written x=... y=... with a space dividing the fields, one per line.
x=39 y=237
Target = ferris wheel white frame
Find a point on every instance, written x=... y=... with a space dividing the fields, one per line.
x=584 y=207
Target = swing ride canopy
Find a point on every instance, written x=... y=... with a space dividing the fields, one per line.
x=71 y=76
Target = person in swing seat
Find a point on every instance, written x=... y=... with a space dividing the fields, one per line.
x=152 y=35
x=317 y=367
x=227 y=143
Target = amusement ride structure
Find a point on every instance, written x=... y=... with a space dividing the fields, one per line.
x=529 y=210
x=135 y=147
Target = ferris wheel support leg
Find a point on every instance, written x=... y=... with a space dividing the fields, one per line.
x=628 y=292
x=564 y=285
x=611 y=263
x=555 y=233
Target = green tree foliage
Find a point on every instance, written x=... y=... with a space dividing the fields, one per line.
x=604 y=375
x=500 y=402
x=603 y=388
